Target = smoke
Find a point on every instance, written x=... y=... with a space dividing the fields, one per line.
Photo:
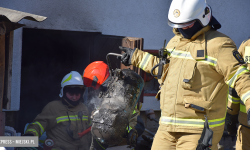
x=91 y=99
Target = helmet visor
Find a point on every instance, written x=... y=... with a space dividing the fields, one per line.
x=75 y=89
x=180 y=25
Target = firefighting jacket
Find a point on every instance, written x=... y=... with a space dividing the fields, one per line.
x=235 y=104
x=195 y=82
x=58 y=120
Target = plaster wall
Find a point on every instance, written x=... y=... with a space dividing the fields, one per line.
x=135 y=18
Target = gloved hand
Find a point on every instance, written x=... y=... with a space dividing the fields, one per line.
x=126 y=57
x=232 y=121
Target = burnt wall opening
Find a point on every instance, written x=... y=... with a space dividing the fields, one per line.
x=47 y=56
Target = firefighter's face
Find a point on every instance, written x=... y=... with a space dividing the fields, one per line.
x=73 y=96
x=190 y=26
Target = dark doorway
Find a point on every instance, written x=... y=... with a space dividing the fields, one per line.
x=48 y=55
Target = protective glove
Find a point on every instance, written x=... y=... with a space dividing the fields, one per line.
x=232 y=121
x=127 y=56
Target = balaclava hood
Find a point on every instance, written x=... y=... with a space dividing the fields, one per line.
x=67 y=101
x=188 y=33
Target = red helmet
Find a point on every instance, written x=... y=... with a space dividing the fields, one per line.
x=95 y=74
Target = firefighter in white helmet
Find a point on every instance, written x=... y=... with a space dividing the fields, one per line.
x=197 y=69
x=65 y=118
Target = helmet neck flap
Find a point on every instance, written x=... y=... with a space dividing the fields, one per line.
x=214 y=23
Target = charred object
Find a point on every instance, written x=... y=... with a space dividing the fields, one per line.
x=111 y=120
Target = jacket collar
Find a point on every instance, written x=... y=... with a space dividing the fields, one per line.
x=68 y=105
x=196 y=35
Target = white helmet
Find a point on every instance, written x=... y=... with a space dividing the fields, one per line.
x=72 y=78
x=183 y=13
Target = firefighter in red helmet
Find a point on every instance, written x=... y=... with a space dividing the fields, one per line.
x=96 y=77
x=95 y=74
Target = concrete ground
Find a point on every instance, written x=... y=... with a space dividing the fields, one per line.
x=227 y=142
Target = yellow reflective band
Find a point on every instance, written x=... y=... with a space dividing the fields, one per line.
x=100 y=144
x=234 y=100
x=41 y=127
x=181 y=54
x=187 y=55
x=243 y=108
x=128 y=129
x=90 y=122
x=241 y=70
x=72 y=118
x=69 y=78
x=209 y=60
x=145 y=61
x=192 y=122
x=32 y=130
x=168 y=51
x=245 y=97
x=134 y=112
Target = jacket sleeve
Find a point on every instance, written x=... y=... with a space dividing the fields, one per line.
x=146 y=61
x=43 y=122
x=244 y=50
x=233 y=105
x=233 y=98
x=235 y=75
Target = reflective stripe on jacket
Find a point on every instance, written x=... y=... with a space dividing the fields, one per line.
x=233 y=105
x=57 y=119
x=195 y=82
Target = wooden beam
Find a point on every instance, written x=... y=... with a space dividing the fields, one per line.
x=8 y=69
x=2 y=69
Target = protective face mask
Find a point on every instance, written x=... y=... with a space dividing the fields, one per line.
x=188 y=33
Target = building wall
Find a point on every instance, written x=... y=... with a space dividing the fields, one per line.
x=134 y=18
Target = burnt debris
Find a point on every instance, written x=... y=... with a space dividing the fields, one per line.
x=119 y=100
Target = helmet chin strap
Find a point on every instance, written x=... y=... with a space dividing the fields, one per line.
x=188 y=33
